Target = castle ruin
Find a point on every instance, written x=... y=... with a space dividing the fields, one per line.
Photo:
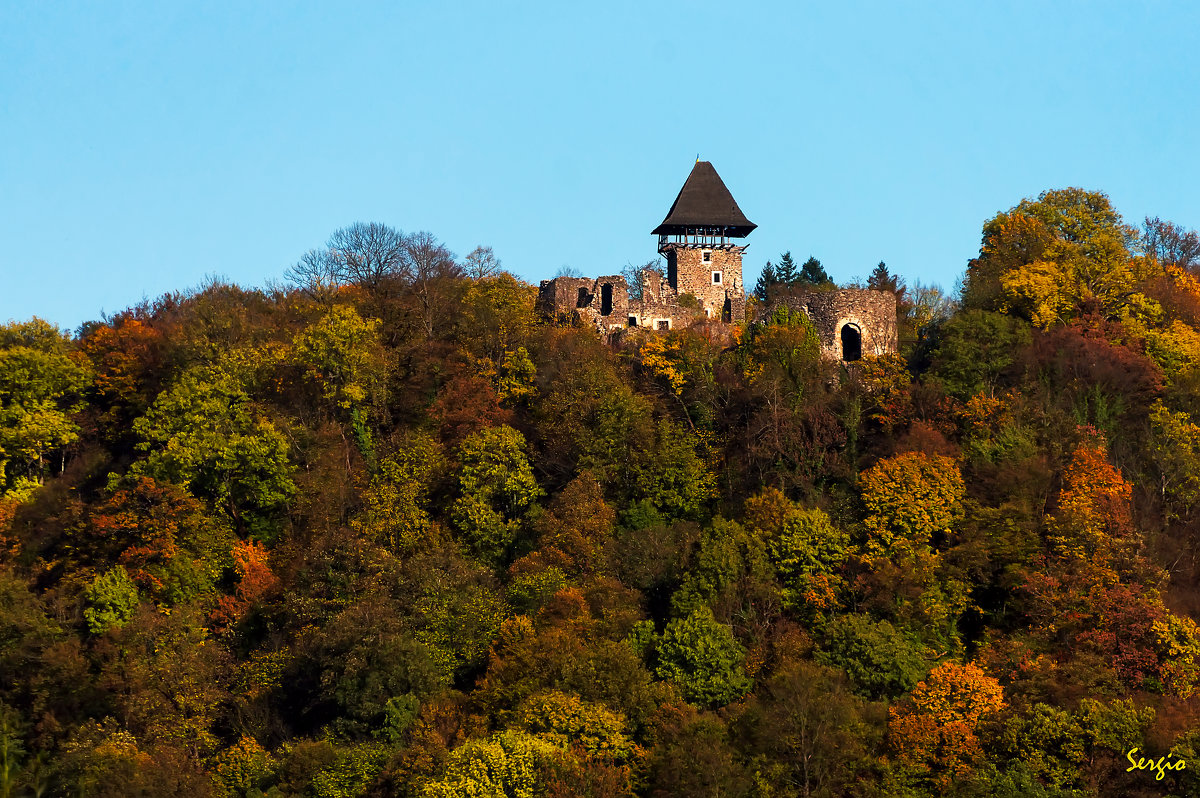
x=703 y=282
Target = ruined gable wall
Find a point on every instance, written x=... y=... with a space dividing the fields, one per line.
x=872 y=312
x=567 y=298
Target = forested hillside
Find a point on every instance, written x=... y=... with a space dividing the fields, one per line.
x=382 y=531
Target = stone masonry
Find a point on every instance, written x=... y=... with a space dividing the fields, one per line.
x=851 y=322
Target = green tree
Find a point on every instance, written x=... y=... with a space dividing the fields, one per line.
x=808 y=553
x=767 y=281
x=202 y=432
x=882 y=663
x=882 y=279
x=813 y=274
x=786 y=272
x=112 y=598
x=975 y=348
x=41 y=386
x=702 y=657
x=496 y=490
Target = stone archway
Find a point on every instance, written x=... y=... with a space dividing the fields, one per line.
x=851 y=337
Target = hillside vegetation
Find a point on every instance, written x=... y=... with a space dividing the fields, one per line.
x=385 y=532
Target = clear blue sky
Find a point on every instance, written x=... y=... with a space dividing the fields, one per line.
x=144 y=146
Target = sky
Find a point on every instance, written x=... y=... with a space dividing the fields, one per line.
x=147 y=147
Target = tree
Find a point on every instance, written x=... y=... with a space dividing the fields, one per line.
x=370 y=254
x=806 y=729
x=202 y=432
x=112 y=598
x=41 y=386
x=432 y=274
x=912 y=499
x=812 y=273
x=808 y=553
x=509 y=763
x=637 y=276
x=1170 y=244
x=1043 y=258
x=496 y=487
x=701 y=656
x=936 y=733
x=786 y=272
x=767 y=280
x=882 y=662
x=342 y=352
x=975 y=348
x=882 y=279
x=481 y=264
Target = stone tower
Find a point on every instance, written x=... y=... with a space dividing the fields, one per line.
x=695 y=238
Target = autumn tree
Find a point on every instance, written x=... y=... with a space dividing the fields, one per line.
x=41 y=385
x=1044 y=257
x=936 y=733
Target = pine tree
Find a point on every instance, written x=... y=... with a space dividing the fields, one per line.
x=813 y=273
x=785 y=272
x=766 y=281
x=882 y=279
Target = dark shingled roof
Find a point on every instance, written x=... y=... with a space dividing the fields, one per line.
x=705 y=202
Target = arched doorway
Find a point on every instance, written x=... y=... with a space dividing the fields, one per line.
x=851 y=342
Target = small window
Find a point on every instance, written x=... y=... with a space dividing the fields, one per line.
x=716 y=278
x=632 y=321
x=706 y=256
x=585 y=298
x=664 y=324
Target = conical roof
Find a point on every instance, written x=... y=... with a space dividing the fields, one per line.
x=705 y=202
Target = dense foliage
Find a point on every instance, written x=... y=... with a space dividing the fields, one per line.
x=386 y=532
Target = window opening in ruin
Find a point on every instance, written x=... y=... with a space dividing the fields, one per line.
x=664 y=324
x=851 y=343
x=727 y=311
x=716 y=278
x=584 y=299
x=606 y=299
x=706 y=256
x=632 y=321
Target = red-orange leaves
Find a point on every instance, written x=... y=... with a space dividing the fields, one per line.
x=935 y=734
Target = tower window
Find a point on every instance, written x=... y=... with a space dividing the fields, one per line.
x=632 y=321
x=716 y=278
x=706 y=256
x=606 y=299
x=663 y=324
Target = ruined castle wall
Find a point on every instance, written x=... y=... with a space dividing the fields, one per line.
x=872 y=314
x=602 y=302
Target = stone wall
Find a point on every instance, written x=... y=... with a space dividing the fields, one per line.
x=603 y=301
x=688 y=273
x=843 y=314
